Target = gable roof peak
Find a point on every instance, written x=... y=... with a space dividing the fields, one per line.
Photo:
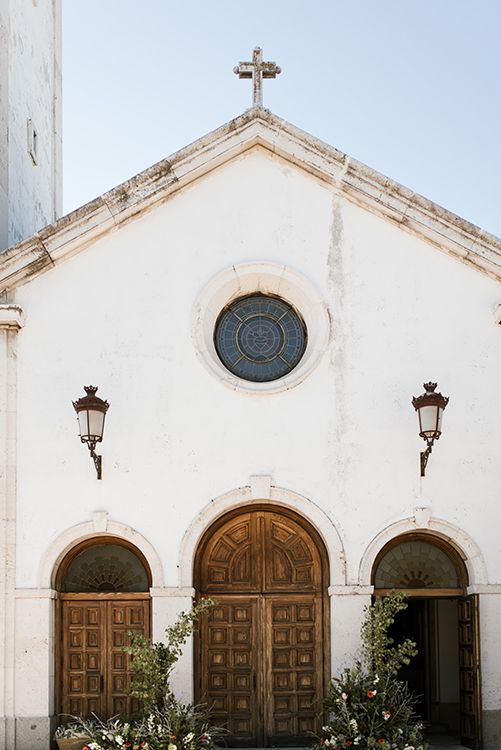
x=256 y=126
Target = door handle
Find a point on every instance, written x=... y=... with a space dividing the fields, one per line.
x=101 y=682
x=254 y=680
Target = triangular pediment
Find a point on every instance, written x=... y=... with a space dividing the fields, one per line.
x=256 y=127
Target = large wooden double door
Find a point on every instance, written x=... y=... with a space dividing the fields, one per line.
x=262 y=651
x=94 y=668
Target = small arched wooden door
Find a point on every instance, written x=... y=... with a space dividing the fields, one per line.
x=262 y=653
x=104 y=593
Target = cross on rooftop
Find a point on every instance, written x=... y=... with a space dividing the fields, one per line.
x=257 y=70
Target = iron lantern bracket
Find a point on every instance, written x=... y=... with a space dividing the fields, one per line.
x=98 y=460
x=425 y=456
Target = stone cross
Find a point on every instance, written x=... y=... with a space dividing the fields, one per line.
x=257 y=70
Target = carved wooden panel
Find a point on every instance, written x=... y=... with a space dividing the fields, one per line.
x=469 y=673
x=229 y=558
x=229 y=667
x=294 y=667
x=260 y=552
x=261 y=651
x=122 y=617
x=95 y=670
x=292 y=561
x=83 y=651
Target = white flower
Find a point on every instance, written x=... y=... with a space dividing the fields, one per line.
x=376 y=679
x=119 y=740
x=344 y=696
x=171 y=746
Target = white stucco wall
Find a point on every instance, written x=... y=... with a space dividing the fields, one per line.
x=30 y=88
x=120 y=316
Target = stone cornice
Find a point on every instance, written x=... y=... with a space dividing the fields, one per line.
x=256 y=127
x=11 y=317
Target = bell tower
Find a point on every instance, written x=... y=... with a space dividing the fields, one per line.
x=30 y=117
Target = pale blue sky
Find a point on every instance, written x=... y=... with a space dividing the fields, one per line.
x=410 y=87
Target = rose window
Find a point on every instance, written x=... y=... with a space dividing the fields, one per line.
x=260 y=338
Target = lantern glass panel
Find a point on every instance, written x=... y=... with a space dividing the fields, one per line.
x=96 y=423
x=83 y=424
x=91 y=424
x=429 y=420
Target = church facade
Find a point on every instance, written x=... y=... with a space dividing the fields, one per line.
x=259 y=310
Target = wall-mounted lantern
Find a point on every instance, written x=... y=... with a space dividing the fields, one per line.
x=91 y=411
x=430 y=407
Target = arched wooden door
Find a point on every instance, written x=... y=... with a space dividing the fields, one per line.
x=262 y=653
x=104 y=593
x=444 y=623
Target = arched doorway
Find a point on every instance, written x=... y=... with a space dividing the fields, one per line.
x=443 y=621
x=262 y=655
x=103 y=586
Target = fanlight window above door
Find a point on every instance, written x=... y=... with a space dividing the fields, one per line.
x=416 y=565
x=106 y=568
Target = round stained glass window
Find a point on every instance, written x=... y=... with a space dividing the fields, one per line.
x=260 y=338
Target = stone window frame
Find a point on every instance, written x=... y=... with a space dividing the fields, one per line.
x=260 y=278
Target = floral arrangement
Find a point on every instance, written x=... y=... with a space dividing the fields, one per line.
x=177 y=727
x=75 y=729
x=368 y=706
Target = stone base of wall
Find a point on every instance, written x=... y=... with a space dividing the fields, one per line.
x=492 y=729
x=34 y=732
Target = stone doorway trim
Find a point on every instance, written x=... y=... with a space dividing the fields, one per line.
x=100 y=525
x=324 y=524
x=453 y=535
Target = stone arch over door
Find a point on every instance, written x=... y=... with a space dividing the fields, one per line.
x=280 y=497
x=100 y=525
x=262 y=655
x=103 y=585
x=456 y=537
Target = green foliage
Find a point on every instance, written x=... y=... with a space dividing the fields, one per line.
x=378 y=650
x=367 y=704
x=153 y=662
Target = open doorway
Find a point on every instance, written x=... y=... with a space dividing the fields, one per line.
x=443 y=622
x=433 y=675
